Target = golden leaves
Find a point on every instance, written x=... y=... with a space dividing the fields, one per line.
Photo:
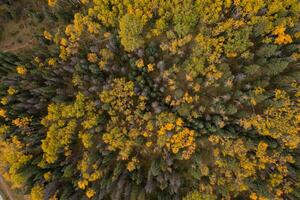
x=181 y=138
x=3 y=113
x=139 y=63
x=21 y=70
x=11 y=91
x=37 y=192
x=82 y=184
x=132 y=165
x=90 y=193
x=48 y=35
x=51 y=61
x=15 y=159
x=150 y=67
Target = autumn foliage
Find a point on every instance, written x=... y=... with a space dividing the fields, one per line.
x=151 y=99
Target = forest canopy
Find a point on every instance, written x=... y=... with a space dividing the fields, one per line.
x=152 y=99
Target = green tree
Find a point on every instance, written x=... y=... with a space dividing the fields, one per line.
x=131 y=29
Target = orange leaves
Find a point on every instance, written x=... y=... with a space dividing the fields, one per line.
x=82 y=184
x=253 y=196
x=64 y=42
x=181 y=138
x=21 y=70
x=52 y=3
x=279 y=30
x=282 y=37
x=150 y=67
x=139 y=63
x=21 y=122
x=132 y=165
x=92 y=57
x=3 y=113
x=90 y=193
x=179 y=122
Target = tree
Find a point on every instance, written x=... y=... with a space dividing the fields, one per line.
x=131 y=28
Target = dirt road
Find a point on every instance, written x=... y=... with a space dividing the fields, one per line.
x=5 y=188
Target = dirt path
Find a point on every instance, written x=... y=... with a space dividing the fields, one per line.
x=16 y=47
x=5 y=188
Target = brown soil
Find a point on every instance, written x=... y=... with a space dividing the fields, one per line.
x=16 y=36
